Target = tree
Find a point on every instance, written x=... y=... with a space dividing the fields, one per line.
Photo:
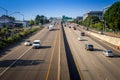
x=93 y=22
x=31 y=22
x=37 y=19
x=112 y=16
x=87 y=21
x=41 y=19
x=12 y=18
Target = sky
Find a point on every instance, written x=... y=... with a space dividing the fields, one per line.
x=51 y=8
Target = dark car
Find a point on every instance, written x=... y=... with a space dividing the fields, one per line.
x=82 y=34
x=89 y=47
x=74 y=28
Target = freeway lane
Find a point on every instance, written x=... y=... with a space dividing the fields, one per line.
x=93 y=65
x=30 y=63
x=19 y=49
x=36 y=64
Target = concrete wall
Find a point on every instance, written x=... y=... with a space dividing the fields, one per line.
x=112 y=40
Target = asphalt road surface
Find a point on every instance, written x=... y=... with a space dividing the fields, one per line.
x=61 y=57
x=47 y=63
x=93 y=65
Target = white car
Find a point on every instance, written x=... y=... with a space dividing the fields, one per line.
x=108 y=53
x=27 y=43
x=36 y=44
x=100 y=32
x=80 y=38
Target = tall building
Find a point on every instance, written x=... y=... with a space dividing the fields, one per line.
x=93 y=13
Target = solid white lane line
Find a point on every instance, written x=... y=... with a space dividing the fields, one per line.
x=14 y=62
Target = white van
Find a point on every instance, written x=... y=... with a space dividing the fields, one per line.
x=36 y=44
x=51 y=27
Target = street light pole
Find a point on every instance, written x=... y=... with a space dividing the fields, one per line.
x=6 y=13
x=5 y=10
x=18 y=13
x=23 y=16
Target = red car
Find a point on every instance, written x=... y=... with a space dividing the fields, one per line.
x=74 y=28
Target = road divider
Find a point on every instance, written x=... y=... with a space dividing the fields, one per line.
x=73 y=70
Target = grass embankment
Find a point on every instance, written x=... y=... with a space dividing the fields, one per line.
x=17 y=37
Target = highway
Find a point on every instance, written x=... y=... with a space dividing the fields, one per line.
x=47 y=63
x=93 y=65
x=61 y=57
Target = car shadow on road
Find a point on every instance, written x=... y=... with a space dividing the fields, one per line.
x=45 y=47
x=55 y=29
x=6 y=50
x=96 y=49
x=115 y=56
x=21 y=62
x=84 y=40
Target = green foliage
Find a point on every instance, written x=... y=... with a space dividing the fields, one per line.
x=41 y=19
x=16 y=37
x=112 y=16
x=3 y=30
x=10 y=40
x=98 y=26
x=91 y=20
x=31 y=22
x=87 y=21
x=33 y=30
x=12 y=18
x=2 y=45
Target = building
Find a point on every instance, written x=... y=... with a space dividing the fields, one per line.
x=93 y=13
x=5 y=20
x=21 y=23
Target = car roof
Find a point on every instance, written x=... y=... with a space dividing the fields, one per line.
x=88 y=44
x=36 y=40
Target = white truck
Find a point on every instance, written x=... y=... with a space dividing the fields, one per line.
x=51 y=27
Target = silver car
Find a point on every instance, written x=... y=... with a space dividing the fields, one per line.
x=108 y=53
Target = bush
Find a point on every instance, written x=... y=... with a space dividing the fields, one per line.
x=16 y=37
x=33 y=30
x=3 y=44
x=7 y=41
x=10 y=40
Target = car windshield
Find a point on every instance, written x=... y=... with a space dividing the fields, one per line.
x=109 y=51
x=36 y=42
x=90 y=45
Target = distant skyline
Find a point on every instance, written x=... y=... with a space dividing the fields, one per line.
x=52 y=8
